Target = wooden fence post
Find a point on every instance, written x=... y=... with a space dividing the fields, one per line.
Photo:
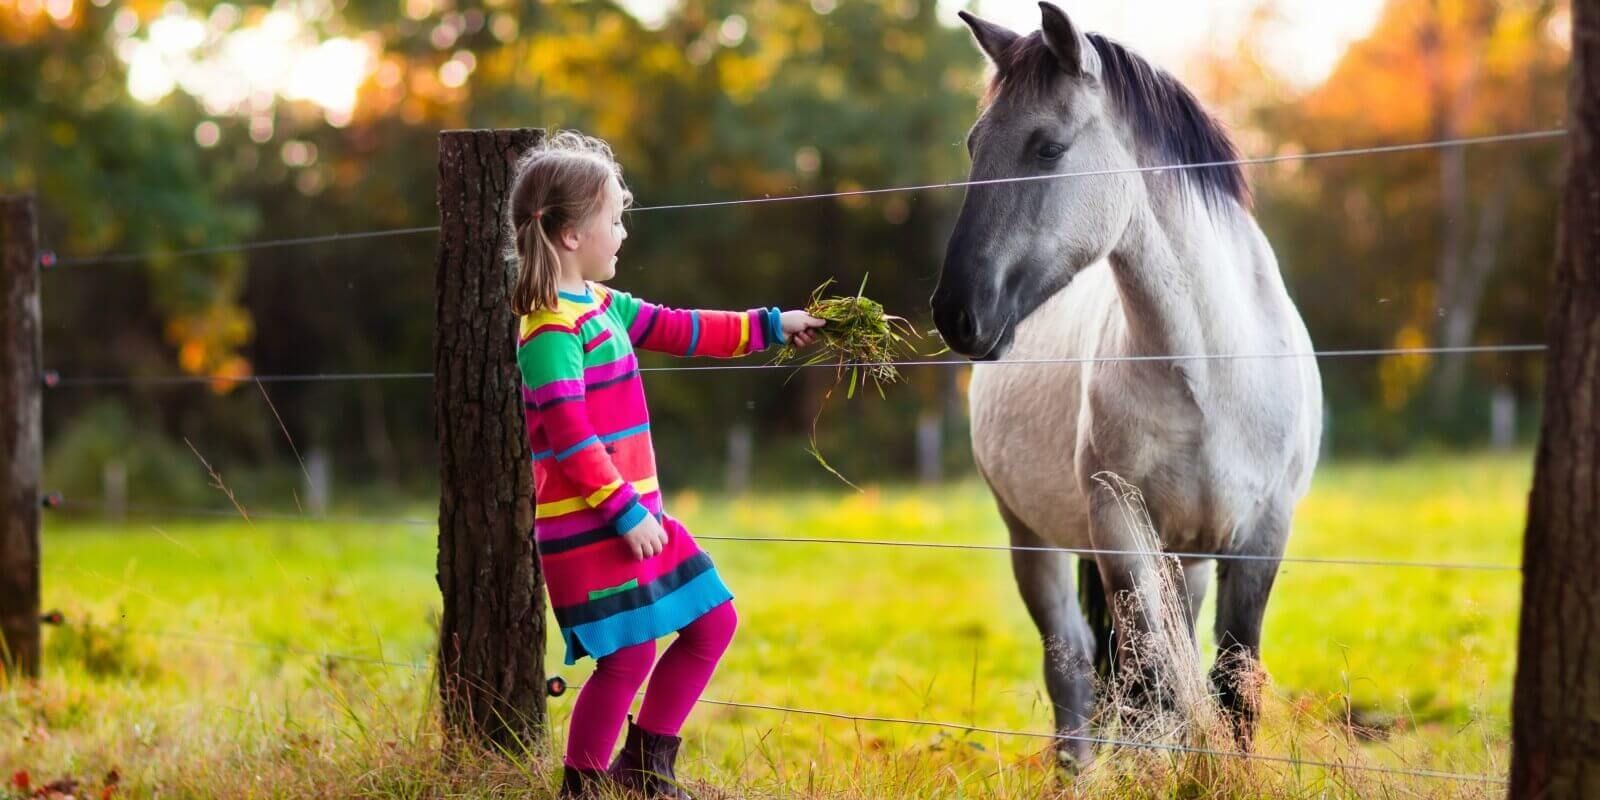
x=1555 y=703
x=20 y=437
x=492 y=633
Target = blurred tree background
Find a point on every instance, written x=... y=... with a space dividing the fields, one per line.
x=149 y=129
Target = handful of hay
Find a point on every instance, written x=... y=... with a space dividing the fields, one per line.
x=859 y=338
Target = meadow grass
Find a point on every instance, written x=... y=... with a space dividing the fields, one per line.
x=193 y=659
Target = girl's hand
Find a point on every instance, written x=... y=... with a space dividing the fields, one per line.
x=800 y=328
x=646 y=539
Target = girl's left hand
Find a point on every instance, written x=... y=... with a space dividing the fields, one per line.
x=800 y=328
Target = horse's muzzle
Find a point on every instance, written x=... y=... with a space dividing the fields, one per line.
x=962 y=331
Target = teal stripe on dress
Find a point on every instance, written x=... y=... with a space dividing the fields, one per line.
x=606 y=439
x=573 y=450
x=650 y=593
x=670 y=614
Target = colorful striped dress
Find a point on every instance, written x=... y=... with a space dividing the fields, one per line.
x=594 y=469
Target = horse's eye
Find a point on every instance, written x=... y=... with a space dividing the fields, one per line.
x=1051 y=151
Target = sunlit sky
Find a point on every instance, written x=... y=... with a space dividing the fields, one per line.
x=1304 y=48
x=242 y=69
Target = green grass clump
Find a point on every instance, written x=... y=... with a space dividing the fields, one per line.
x=861 y=340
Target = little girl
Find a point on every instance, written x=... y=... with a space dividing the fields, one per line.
x=621 y=573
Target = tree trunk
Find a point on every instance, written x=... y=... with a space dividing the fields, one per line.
x=20 y=438
x=1555 y=714
x=492 y=634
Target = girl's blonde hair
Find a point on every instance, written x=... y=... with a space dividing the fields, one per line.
x=560 y=182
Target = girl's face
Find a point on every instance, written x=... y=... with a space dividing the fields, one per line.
x=594 y=243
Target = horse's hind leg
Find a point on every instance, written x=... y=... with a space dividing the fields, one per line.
x=1045 y=580
x=1242 y=589
x=1196 y=580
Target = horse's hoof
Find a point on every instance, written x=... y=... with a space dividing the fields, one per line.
x=1071 y=763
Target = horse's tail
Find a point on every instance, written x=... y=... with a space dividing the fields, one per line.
x=1097 y=610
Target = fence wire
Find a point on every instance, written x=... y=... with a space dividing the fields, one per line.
x=279 y=516
x=1331 y=766
x=1433 y=144
x=265 y=244
x=57 y=381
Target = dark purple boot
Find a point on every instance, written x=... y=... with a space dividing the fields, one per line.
x=645 y=766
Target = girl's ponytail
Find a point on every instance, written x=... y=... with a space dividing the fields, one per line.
x=560 y=183
x=539 y=268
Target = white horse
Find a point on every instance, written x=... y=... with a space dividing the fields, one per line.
x=1115 y=264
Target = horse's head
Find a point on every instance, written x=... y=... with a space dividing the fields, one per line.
x=1046 y=112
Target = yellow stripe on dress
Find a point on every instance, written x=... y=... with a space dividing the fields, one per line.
x=571 y=504
x=744 y=334
x=564 y=314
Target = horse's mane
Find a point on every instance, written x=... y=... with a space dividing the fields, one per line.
x=1165 y=116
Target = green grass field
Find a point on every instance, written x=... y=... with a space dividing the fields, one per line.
x=192 y=659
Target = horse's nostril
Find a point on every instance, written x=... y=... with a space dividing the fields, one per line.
x=956 y=321
x=966 y=329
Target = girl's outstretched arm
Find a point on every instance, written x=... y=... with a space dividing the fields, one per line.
x=702 y=332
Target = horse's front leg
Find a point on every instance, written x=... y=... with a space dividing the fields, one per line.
x=1045 y=581
x=1243 y=586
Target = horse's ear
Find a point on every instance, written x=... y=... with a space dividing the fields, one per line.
x=1072 y=50
x=994 y=39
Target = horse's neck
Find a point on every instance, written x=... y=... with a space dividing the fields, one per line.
x=1186 y=275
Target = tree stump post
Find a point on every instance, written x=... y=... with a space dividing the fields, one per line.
x=492 y=632
x=21 y=438
x=1555 y=706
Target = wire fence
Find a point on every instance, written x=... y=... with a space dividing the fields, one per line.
x=1409 y=147
x=229 y=641
x=51 y=260
x=129 y=258
x=1331 y=766
x=55 y=380
x=192 y=380
x=1089 y=552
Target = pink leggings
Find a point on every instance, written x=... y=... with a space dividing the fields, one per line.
x=682 y=675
